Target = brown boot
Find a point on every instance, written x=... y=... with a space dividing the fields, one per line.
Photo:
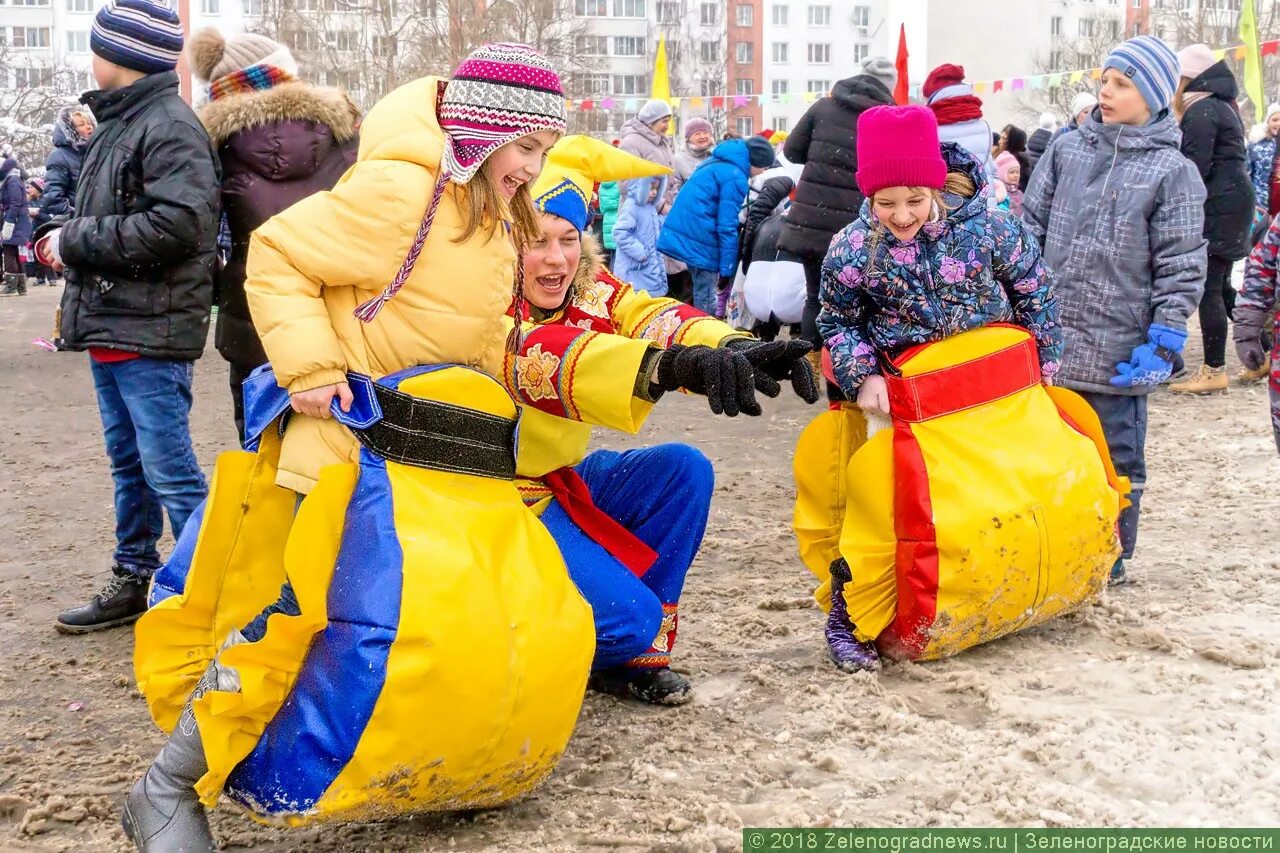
x=1206 y=380
x=1249 y=377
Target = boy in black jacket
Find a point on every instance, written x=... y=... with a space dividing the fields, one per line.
x=139 y=258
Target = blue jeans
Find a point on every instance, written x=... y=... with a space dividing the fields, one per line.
x=662 y=495
x=705 y=285
x=1124 y=422
x=145 y=404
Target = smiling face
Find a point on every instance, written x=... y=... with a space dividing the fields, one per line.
x=551 y=261
x=519 y=162
x=82 y=125
x=903 y=210
x=701 y=140
x=1120 y=100
x=1273 y=125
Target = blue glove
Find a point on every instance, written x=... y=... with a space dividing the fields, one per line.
x=1151 y=363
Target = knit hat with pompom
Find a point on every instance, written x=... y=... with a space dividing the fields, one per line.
x=214 y=56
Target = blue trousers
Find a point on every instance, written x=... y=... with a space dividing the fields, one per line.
x=145 y=404
x=662 y=495
x=1124 y=422
x=706 y=283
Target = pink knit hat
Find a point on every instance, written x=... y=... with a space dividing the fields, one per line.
x=898 y=147
x=1004 y=163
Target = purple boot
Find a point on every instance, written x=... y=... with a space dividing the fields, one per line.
x=846 y=651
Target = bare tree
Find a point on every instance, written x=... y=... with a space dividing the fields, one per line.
x=1095 y=37
x=28 y=109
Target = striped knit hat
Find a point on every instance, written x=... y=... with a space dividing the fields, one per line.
x=137 y=34
x=1152 y=66
x=499 y=93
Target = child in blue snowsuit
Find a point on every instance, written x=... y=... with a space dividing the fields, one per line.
x=635 y=233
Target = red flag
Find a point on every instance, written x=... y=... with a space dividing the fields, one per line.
x=902 y=92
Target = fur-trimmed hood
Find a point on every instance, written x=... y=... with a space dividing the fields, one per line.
x=295 y=101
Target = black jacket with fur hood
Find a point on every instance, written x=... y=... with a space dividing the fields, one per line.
x=277 y=147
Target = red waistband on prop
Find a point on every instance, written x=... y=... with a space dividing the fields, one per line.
x=964 y=386
x=575 y=499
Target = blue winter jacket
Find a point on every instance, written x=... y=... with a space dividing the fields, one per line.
x=13 y=203
x=635 y=233
x=702 y=228
x=973 y=268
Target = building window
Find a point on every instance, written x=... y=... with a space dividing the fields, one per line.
x=1137 y=4
x=746 y=15
x=862 y=19
x=820 y=87
x=709 y=88
x=745 y=126
x=780 y=87
x=28 y=3
x=345 y=41
x=709 y=14
x=31 y=37
x=1137 y=31
x=590 y=85
x=1086 y=27
x=591 y=8
x=780 y=53
x=1055 y=26
x=860 y=51
x=819 y=16
x=384 y=46
x=1055 y=59
x=709 y=52
x=781 y=15
x=209 y=7
x=79 y=5
x=1113 y=29
x=77 y=41
x=819 y=54
x=668 y=12
x=744 y=87
x=630 y=84
x=746 y=53
x=592 y=45
x=628 y=8
x=628 y=46
x=781 y=123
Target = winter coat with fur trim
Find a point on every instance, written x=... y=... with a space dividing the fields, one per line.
x=1213 y=139
x=277 y=146
x=825 y=140
x=636 y=137
x=62 y=167
x=973 y=268
x=702 y=228
x=313 y=264
x=637 y=261
x=1120 y=213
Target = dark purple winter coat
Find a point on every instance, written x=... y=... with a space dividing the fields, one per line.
x=13 y=203
x=277 y=147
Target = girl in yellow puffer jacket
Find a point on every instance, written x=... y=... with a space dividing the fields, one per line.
x=463 y=151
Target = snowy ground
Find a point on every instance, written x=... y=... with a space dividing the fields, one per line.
x=1154 y=707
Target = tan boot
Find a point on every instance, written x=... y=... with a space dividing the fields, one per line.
x=1206 y=380
x=1249 y=377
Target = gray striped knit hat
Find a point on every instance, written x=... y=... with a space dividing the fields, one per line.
x=499 y=93
x=137 y=34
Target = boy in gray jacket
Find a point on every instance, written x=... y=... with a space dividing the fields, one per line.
x=1120 y=213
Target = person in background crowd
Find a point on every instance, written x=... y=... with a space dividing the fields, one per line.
x=827 y=197
x=279 y=140
x=698 y=142
x=702 y=229
x=1008 y=196
x=1040 y=140
x=637 y=261
x=1258 y=302
x=1014 y=140
x=146 y=223
x=959 y=114
x=610 y=201
x=38 y=274
x=1262 y=157
x=1213 y=139
x=1127 y=275
x=774 y=286
x=645 y=136
x=71 y=133
x=1082 y=105
x=15 y=228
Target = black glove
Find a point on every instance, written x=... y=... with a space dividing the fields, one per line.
x=1248 y=336
x=724 y=376
x=725 y=283
x=774 y=361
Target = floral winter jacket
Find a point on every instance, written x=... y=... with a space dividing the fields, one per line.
x=973 y=268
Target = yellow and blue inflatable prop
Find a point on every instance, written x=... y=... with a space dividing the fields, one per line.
x=989 y=506
x=441 y=653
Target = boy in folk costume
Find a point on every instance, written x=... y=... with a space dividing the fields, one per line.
x=628 y=524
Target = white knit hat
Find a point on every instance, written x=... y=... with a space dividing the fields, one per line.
x=214 y=56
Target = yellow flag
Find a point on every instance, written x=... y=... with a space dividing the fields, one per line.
x=1252 y=59
x=662 y=80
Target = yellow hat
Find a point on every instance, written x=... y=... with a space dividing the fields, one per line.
x=574 y=165
x=778 y=137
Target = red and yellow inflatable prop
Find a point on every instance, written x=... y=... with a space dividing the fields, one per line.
x=988 y=507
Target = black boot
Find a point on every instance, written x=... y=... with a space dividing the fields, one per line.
x=12 y=285
x=657 y=686
x=120 y=602
x=163 y=814
x=846 y=651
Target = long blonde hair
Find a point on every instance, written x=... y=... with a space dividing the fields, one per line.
x=483 y=208
x=956 y=183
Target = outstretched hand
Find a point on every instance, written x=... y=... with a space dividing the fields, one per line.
x=774 y=361
x=724 y=376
